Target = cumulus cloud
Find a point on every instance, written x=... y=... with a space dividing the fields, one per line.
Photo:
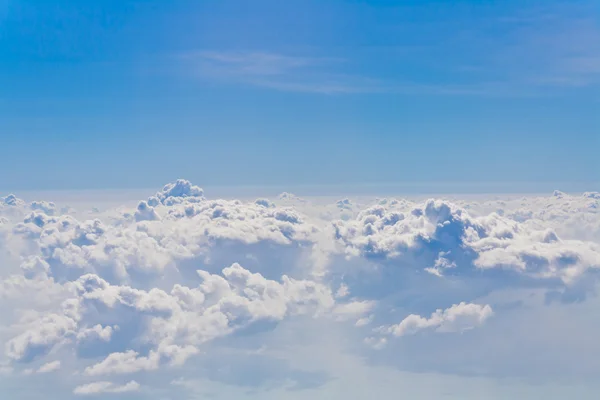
x=48 y=208
x=177 y=192
x=42 y=335
x=184 y=227
x=148 y=290
x=106 y=387
x=290 y=198
x=458 y=318
x=445 y=240
x=49 y=367
x=145 y=212
x=11 y=200
x=121 y=363
x=98 y=331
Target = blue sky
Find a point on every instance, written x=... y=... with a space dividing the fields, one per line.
x=117 y=94
x=185 y=293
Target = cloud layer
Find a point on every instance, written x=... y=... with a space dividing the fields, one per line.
x=131 y=300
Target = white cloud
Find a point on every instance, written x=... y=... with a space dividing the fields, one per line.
x=122 y=363
x=159 y=289
x=177 y=192
x=353 y=309
x=41 y=337
x=275 y=71
x=48 y=208
x=106 y=387
x=49 y=367
x=376 y=343
x=458 y=318
x=453 y=242
x=145 y=212
x=11 y=200
x=342 y=291
x=97 y=332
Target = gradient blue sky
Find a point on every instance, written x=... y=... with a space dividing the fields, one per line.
x=115 y=94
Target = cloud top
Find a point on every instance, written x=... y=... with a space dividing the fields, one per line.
x=148 y=291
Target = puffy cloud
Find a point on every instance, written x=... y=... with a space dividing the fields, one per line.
x=571 y=216
x=15 y=208
x=380 y=232
x=35 y=267
x=148 y=291
x=344 y=204
x=172 y=322
x=444 y=239
x=183 y=226
x=592 y=195
x=120 y=363
x=265 y=203
x=177 y=192
x=98 y=332
x=342 y=291
x=145 y=212
x=49 y=367
x=106 y=387
x=285 y=196
x=458 y=318
x=353 y=310
x=46 y=207
x=11 y=200
x=40 y=337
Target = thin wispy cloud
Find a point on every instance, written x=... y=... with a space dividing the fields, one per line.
x=313 y=75
x=277 y=71
x=553 y=51
x=540 y=52
x=253 y=63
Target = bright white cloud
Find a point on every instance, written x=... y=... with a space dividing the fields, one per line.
x=106 y=387
x=40 y=337
x=122 y=363
x=458 y=318
x=49 y=367
x=158 y=289
x=450 y=241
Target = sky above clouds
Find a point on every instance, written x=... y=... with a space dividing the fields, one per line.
x=501 y=94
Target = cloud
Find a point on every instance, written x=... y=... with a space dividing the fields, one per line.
x=376 y=343
x=11 y=201
x=176 y=193
x=106 y=387
x=277 y=71
x=122 y=363
x=145 y=212
x=458 y=318
x=445 y=240
x=569 y=48
x=49 y=367
x=98 y=331
x=48 y=208
x=40 y=338
x=152 y=292
x=534 y=50
x=183 y=227
x=257 y=63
